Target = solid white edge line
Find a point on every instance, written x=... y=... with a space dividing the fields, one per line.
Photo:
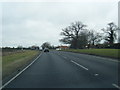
x=20 y=72
x=116 y=86
x=108 y=59
x=79 y=65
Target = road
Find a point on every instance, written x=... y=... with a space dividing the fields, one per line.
x=58 y=69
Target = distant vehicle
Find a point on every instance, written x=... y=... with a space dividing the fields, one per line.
x=46 y=50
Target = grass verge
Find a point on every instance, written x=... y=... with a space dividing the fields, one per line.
x=112 y=53
x=14 y=62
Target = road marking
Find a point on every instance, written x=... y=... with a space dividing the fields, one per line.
x=20 y=72
x=79 y=65
x=96 y=74
x=116 y=86
x=77 y=58
x=107 y=58
x=64 y=57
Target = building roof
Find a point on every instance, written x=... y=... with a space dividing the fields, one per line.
x=63 y=46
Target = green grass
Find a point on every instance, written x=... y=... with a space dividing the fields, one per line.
x=113 y=53
x=13 y=62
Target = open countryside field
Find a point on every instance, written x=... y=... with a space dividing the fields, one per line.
x=112 y=53
x=13 y=62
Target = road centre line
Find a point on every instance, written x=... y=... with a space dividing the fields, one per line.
x=116 y=86
x=20 y=72
x=64 y=57
x=79 y=65
x=96 y=74
x=77 y=58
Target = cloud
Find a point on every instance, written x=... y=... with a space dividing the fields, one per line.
x=34 y=23
x=0 y=25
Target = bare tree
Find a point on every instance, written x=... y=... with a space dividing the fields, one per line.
x=83 y=39
x=46 y=45
x=118 y=35
x=71 y=33
x=118 y=39
x=110 y=32
x=94 y=37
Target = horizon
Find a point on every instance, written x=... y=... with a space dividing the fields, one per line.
x=27 y=24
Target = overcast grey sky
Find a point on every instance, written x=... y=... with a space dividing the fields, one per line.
x=33 y=23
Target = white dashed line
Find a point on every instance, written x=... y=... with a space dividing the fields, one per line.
x=79 y=65
x=65 y=57
x=116 y=86
x=96 y=74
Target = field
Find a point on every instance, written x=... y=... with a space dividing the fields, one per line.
x=13 y=61
x=112 y=53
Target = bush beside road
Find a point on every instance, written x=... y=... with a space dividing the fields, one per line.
x=112 y=53
x=13 y=62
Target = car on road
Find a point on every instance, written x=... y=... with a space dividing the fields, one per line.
x=46 y=50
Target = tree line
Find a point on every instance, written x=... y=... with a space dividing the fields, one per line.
x=78 y=36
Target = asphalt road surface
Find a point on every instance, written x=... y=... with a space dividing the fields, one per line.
x=58 y=69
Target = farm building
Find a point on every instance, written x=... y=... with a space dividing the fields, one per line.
x=62 y=48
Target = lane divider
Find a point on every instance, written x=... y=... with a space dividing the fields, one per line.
x=116 y=86
x=96 y=74
x=20 y=72
x=65 y=57
x=79 y=65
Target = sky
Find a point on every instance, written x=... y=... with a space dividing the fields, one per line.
x=119 y=14
x=33 y=23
